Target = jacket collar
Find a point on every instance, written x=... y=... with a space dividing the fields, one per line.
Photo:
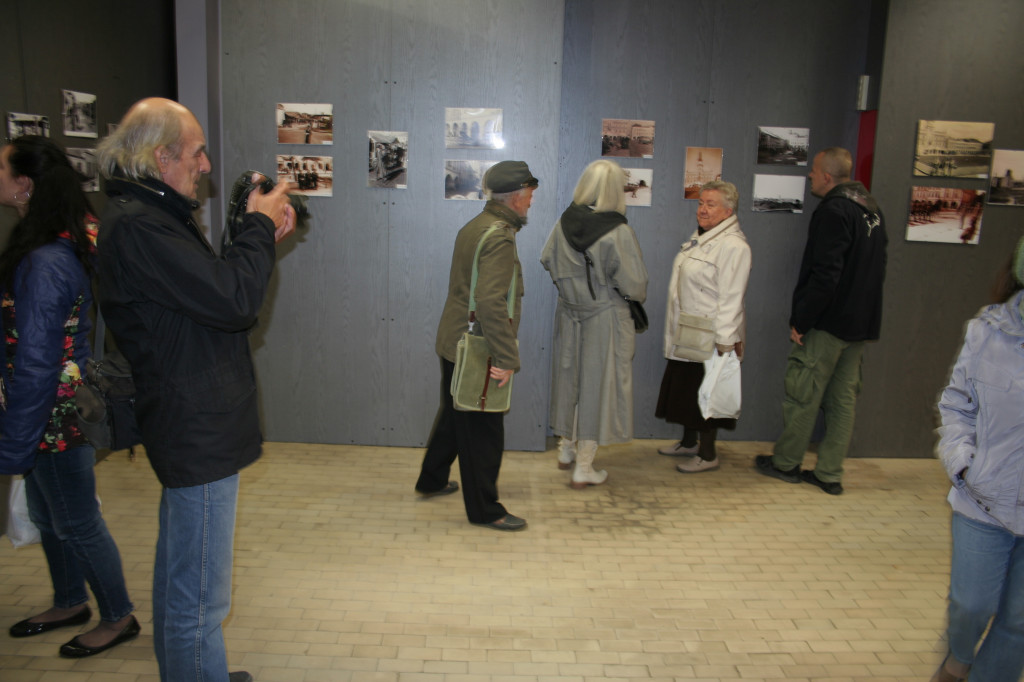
x=730 y=224
x=152 y=190
x=505 y=213
x=1007 y=317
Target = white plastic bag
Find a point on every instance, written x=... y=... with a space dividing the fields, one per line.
x=720 y=396
x=20 y=528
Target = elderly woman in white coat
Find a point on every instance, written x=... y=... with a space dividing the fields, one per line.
x=709 y=281
x=595 y=262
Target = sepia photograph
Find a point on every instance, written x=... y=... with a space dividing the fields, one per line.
x=469 y=128
x=778 y=146
x=305 y=123
x=950 y=215
x=1006 y=184
x=703 y=164
x=779 y=193
x=79 y=114
x=953 y=149
x=27 y=124
x=639 y=186
x=463 y=179
x=388 y=159
x=83 y=160
x=309 y=175
x=627 y=137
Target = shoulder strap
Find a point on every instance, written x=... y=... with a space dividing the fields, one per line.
x=510 y=298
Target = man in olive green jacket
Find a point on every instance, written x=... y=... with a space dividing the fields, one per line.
x=478 y=438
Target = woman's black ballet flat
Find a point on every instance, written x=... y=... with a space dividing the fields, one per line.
x=26 y=628
x=74 y=649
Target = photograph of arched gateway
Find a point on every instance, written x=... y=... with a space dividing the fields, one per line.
x=469 y=128
x=309 y=175
x=305 y=123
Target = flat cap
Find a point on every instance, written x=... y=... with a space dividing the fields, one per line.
x=509 y=176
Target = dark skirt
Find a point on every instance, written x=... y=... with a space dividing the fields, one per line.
x=677 y=400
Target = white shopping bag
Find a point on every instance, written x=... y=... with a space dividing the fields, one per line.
x=20 y=528
x=720 y=396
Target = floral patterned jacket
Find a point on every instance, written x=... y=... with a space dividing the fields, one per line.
x=46 y=326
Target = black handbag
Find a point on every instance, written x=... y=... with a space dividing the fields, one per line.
x=105 y=402
x=639 y=315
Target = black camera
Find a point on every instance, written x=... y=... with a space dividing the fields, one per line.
x=238 y=202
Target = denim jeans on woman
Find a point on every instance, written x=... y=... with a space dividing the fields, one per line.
x=987 y=579
x=192 y=580
x=61 y=494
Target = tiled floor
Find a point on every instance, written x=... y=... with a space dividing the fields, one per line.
x=341 y=574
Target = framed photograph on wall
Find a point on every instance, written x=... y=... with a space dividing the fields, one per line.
x=83 y=160
x=27 y=124
x=463 y=178
x=639 y=186
x=782 y=146
x=703 y=164
x=779 y=193
x=953 y=149
x=79 y=114
x=388 y=159
x=309 y=175
x=1006 y=182
x=627 y=137
x=473 y=128
x=304 y=123
x=950 y=215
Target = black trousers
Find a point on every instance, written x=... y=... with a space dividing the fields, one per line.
x=478 y=440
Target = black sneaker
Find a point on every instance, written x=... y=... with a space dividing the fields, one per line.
x=832 y=488
x=763 y=464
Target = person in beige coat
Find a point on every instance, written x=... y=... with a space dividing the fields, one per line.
x=595 y=262
x=709 y=281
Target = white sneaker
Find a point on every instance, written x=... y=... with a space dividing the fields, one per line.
x=695 y=465
x=677 y=450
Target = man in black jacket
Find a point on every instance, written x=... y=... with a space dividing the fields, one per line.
x=837 y=307
x=181 y=314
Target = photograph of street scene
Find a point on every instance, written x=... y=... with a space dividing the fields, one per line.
x=953 y=149
x=309 y=175
x=627 y=137
x=389 y=159
x=79 y=114
x=463 y=178
x=473 y=128
x=703 y=164
x=639 y=186
x=1007 y=178
x=303 y=123
x=779 y=193
x=779 y=146
x=945 y=214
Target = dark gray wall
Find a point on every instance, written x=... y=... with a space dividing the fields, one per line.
x=944 y=60
x=345 y=353
x=709 y=73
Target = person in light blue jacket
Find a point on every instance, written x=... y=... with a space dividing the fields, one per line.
x=981 y=445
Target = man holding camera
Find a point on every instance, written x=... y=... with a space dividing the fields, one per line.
x=181 y=314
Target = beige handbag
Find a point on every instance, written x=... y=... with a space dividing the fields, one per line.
x=694 y=338
x=473 y=389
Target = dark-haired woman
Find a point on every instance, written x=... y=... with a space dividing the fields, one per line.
x=45 y=293
x=981 y=447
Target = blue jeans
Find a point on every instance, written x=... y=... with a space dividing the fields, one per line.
x=192 y=580
x=61 y=494
x=987 y=584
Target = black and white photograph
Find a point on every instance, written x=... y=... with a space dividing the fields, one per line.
x=309 y=175
x=83 y=160
x=627 y=137
x=782 y=146
x=473 y=128
x=950 y=215
x=703 y=164
x=388 y=159
x=639 y=186
x=1006 y=184
x=779 y=193
x=463 y=178
x=953 y=149
x=19 y=124
x=79 y=114
x=305 y=123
